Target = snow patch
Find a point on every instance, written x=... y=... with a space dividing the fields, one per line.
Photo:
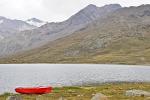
x=38 y=24
x=1 y=21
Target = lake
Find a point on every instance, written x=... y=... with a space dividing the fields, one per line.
x=12 y=75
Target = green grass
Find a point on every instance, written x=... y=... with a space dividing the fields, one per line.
x=114 y=91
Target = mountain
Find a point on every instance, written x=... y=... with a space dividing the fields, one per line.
x=9 y=26
x=120 y=36
x=91 y=13
x=30 y=39
x=35 y=22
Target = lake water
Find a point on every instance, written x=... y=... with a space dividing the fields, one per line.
x=12 y=76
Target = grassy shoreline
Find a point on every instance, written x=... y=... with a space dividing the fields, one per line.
x=114 y=91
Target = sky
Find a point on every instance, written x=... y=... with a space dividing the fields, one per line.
x=54 y=10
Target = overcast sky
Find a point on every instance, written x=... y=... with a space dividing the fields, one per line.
x=53 y=10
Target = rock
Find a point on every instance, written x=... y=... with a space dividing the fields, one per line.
x=15 y=97
x=61 y=98
x=80 y=95
x=137 y=93
x=99 y=96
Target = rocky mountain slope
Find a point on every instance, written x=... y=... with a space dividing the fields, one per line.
x=37 y=37
x=120 y=36
x=9 y=27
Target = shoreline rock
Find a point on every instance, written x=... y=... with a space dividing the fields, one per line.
x=137 y=93
x=14 y=97
x=99 y=96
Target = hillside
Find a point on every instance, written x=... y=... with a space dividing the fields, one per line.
x=29 y=39
x=120 y=37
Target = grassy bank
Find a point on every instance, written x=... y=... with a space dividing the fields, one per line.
x=114 y=91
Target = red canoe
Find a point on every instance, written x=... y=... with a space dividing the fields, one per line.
x=34 y=90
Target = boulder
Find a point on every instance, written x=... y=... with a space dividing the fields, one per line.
x=14 y=97
x=137 y=93
x=99 y=96
x=61 y=98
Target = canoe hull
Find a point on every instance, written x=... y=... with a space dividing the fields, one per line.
x=34 y=90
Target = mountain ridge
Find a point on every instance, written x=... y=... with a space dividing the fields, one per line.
x=51 y=31
x=121 y=36
x=10 y=26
